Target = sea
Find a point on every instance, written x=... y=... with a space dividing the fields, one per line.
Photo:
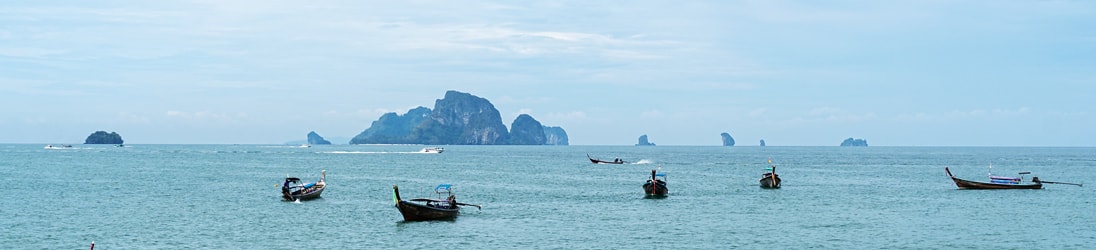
x=542 y=197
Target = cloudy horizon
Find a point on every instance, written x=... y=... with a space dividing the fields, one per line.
x=896 y=73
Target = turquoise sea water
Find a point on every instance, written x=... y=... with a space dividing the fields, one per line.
x=226 y=197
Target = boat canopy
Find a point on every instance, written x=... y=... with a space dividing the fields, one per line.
x=660 y=174
x=443 y=188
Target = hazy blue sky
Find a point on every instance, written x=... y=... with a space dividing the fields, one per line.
x=897 y=73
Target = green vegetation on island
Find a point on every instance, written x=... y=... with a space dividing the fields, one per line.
x=457 y=119
x=102 y=137
x=850 y=142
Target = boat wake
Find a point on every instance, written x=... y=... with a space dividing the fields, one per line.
x=373 y=152
x=644 y=161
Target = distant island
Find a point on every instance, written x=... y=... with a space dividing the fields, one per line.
x=316 y=139
x=854 y=142
x=643 y=141
x=727 y=139
x=762 y=142
x=458 y=119
x=102 y=137
x=555 y=136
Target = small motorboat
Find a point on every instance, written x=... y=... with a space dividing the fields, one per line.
x=434 y=150
x=425 y=209
x=294 y=189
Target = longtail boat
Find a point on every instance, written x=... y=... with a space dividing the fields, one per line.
x=425 y=209
x=294 y=189
x=770 y=179
x=996 y=182
x=656 y=187
x=599 y=161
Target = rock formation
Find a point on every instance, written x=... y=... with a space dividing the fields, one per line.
x=526 y=131
x=392 y=128
x=854 y=142
x=316 y=139
x=727 y=139
x=457 y=119
x=102 y=137
x=461 y=119
x=762 y=142
x=555 y=136
x=643 y=141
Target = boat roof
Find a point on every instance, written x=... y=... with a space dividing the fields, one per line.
x=443 y=188
x=660 y=174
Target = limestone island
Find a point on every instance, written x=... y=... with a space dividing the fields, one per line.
x=727 y=139
x=316 y=139
x=854 y=142
x=643 y=141
x=102 y=137
x=458 y=119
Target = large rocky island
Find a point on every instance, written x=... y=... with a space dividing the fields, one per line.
x=102 y=137
x=458 y=119
x=854 y=142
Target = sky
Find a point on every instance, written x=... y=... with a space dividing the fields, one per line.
x=792 y=73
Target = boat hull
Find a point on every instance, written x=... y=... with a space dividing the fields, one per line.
x=308 y=194
x=967 y=184
x=655 y=189
x=418 y=212
x=598 y=161
x=768 y=182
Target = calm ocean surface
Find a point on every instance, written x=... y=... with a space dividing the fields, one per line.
x=227 y=197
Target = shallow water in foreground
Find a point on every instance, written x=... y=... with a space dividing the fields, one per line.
x=226 y=196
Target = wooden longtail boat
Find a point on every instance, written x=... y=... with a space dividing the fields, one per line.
x=997 y=183
x=598 y=161
x=656 y=187
x=770 y=179
x=424 y=209
x=294 y=189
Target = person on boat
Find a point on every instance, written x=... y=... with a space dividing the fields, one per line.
x=452 y=201
x=618 y=160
